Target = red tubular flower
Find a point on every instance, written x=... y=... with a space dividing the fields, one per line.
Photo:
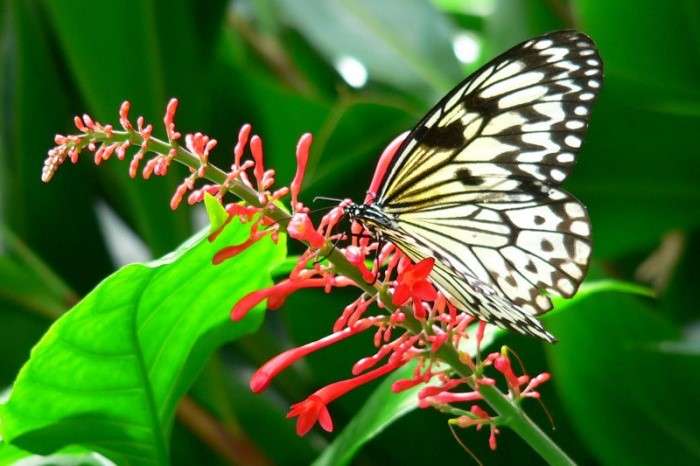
x=301 y=228
x=256 y=149
x=356 y=257
x=277 y=294
x=231 y=251
x=263 y=376
x=492 y=437
x=309 y=411
x=436 y=390
x=534 y=383
x=395 y=344
x=449 y=397
x=314 y=407
x=280 y=291
x=405 y=384
x=383 y=165
x=169 y=120
x=249 y=301
x=413 y=284
x=302 y=154
x=436 y=341
x=502 y=365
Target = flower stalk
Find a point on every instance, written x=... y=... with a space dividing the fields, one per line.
x=406 y=300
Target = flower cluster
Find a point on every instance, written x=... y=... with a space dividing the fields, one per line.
x=413 y=322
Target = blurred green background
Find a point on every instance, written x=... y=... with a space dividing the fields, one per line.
x=356 y=73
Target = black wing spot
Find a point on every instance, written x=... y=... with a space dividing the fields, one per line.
x=466 y=177
x=530 y=267
x=547 y=246
x=442 y=137
x=539 y=220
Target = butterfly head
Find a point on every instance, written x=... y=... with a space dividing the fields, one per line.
x=370 y=215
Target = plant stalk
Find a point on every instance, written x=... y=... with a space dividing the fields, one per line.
x=512 y=415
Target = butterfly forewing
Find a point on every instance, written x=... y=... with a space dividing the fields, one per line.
x=475 y=184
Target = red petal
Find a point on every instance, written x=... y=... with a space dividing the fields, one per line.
x=424 y=290
x=306 y=421
x=423 y=268
x=418 y=309
x=324 y=419
x=248 y=302
x=401 y=295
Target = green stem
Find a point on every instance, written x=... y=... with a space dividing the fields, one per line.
x=510 y=413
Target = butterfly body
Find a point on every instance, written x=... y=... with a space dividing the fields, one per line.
x=476 y=183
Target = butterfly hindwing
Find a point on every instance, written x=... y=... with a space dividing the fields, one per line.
x=524 y=248
x=475 y=184
x=467 y=292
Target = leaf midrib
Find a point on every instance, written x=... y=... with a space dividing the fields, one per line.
x=157 y=432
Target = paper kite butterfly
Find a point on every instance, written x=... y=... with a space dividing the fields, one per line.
x=476 y=184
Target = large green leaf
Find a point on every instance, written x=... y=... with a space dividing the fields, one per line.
x=68 y=457
x=109 y=373
x=659 y=50
x=631 y=402
x=35 y=107
x=406 y=44
x=623 y=178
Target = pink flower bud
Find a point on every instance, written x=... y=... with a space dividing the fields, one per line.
x=124 y=116
x=383 y=165
x=401 y=385
x=301 y=228
x=241 y=144
x=302 y=154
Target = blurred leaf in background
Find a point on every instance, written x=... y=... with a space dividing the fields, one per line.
x=356 y=73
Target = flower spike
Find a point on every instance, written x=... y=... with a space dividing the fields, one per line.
x=413 y=322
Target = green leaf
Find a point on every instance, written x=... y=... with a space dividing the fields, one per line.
x=67 y=457
x=278 y=115
x=659 y=50
x=216 y=212
x=631 y=403
x=655 y=194
x=418 y=58
x=37 y=106
x=109 y=373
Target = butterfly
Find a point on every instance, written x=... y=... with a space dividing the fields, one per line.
x=475 y=184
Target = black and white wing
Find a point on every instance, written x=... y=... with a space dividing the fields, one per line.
x=475 y=184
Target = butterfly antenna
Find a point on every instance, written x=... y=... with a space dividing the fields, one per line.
x=309 y=212
x=324 y=198
x=461 y=444
x=546 y=412
x=520 y=361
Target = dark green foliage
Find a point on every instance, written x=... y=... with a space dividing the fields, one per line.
x=626 y=368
